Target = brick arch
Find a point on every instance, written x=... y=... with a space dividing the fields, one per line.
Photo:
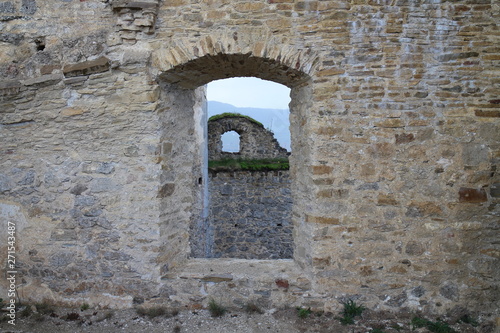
x=193 y=64
x=255 y=140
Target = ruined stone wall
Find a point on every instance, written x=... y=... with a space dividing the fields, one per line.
x=394 y=170
x=256 y=142
x=250 y=213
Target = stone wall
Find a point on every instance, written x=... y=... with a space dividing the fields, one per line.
x=250 y=213
x=394 y=171
x=256 y=142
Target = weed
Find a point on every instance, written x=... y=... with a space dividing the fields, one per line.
x=303 y=312
x=84 y=307
x=436 y=327
x=376 y=330
x=350 y=311
x=152 y=312
x=418 y=322
x=440 y=327
x=346 y=320
x=26 y=312
x=216 y=310
x=469 y=320
x=177 y=329
x=44 y=308
x=253 y=308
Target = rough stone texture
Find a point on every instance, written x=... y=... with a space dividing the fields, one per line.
x=250 y=215
x=256 y=142
x=394 y=110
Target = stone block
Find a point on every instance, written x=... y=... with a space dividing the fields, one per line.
x=322 y=220
x=11 y=38
x=7 y=7
x=217 y=278
x=99 y=65
x=472 y=195
x=8 y=88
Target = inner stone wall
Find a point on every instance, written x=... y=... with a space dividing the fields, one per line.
x=250 y=213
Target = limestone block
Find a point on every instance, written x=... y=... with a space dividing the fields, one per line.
x=102 y=64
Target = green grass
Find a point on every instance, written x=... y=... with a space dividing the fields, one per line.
x=216 y=310
x=249 y=165
x=469 y=320
x=350 y=311
x=233 y=115
x=84 y=306
x=303 y=312
x=435 y=327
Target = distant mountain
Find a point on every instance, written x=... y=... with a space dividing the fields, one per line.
x=276 y=120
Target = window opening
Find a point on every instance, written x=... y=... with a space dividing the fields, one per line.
x=249 y=192
x=230 y=142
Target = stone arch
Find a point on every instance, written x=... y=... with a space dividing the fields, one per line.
x=230 y=54
x=255 y=140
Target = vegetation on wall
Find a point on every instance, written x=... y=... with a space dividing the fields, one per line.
x=233 y=115
x=249 y=164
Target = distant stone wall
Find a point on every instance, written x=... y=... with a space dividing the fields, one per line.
x=250 y=215
x=255 y=141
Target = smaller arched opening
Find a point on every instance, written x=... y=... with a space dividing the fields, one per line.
x=230 y=141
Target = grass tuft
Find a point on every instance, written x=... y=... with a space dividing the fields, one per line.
x=350 y=311
x=303 y=312
x=469 y=320
x=435 y=327
x=253 y=308
x=216 y=310
x=152 y=312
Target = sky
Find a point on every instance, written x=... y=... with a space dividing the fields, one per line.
x=249 y=92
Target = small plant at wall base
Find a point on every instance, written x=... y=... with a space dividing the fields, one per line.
x=436 y=327
x=350 y=311
x=216 y=310
x=303 y=312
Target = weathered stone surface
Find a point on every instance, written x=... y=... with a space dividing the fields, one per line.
x=472 y=195
x=217 y=278
x=102 y=64
x=394 y=170
x=256 y=142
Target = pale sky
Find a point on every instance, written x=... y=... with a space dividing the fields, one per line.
x=249 y=92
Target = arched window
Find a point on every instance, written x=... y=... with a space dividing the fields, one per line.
x=230 y=142
x=249 y=202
